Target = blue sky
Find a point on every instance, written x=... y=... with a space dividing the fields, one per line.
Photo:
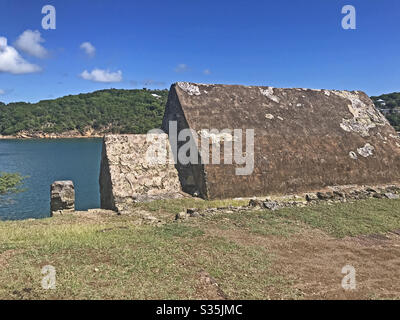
x=285 y=43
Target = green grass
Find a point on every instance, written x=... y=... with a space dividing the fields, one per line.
x=338 y=219
x=262 y=223
x=349 y=219
x=110 y=257
x=137 y=262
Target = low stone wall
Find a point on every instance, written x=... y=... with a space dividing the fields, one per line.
x=62 y=197
x=335 y=195
x=127 y=176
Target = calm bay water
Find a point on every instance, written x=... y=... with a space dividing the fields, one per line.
x=46 y=161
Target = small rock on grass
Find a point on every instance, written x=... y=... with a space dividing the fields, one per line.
x=392 y=196
x=311 y=197
x=181 y=216
x=271 y=205
x=193 y=212
x=256 y=203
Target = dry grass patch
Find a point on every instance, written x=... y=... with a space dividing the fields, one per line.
x=293 y=253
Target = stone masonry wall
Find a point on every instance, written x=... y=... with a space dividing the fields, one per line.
x=127 y=176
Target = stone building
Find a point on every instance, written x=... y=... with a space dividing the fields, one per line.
x=304 y=140
x=126 y=175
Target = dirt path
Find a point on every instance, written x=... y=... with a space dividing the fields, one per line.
x=313 y=262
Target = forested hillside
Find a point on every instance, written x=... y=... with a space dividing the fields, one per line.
x=117 y=111
x=389 y=104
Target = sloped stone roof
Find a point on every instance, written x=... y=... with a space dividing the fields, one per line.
x=304 y=139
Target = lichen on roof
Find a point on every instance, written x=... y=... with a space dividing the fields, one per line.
x=269 y=93
x=365 y=116
x=189 y=88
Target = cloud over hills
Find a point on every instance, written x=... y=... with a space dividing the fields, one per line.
x=12 y=62
x=89 y=49
x=99 y=75
x=30 y=43
x=181 y=68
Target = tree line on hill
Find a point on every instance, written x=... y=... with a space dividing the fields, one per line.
x=112 y=110
x=390 y=104
x=115 y=111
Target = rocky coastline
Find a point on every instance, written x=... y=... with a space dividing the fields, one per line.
x=73 y=134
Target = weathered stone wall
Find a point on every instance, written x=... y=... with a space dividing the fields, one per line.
x=127 y=176
x=304 y=139
x=62 y=196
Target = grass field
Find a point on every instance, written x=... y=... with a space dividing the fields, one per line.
x=293 y=253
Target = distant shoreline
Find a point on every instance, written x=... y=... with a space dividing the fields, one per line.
x=49 y=137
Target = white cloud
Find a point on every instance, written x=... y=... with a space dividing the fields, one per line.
x=99 y=75
x=12 y=62
x=2 y=92
x=207 y=71
x=151 y=82
x=30 y=43
x=181 y=68
x=89 y=49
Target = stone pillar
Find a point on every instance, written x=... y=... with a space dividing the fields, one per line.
x=62 y=196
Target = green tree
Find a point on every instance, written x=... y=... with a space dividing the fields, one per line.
x=112 y=110
x=10 y=183
x=390 y=101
